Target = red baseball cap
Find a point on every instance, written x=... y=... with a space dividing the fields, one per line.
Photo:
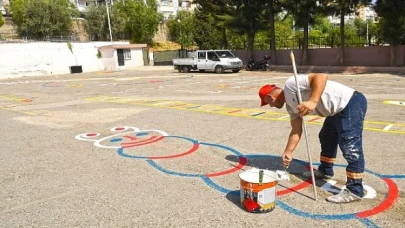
x=266 y=89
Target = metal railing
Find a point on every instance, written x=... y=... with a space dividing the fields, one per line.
x=11 y=37
x=324 y=42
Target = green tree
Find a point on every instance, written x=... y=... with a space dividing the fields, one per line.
x=1 y=21
x=350 y=32
x=181 y=28
x=247 y=17
x=206 y=34
x=392 y=23
x=343 y=8
x=216 y=10
x=304 y=13
x=139 y=20
x=41 y=18
x=322 y=24
x=95 y=24
x=273 y=8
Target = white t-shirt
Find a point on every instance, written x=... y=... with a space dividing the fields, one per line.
x=334 y=98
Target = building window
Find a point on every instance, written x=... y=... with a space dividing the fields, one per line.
x=127 y=54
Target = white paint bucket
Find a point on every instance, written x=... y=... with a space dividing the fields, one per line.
x=258 y=190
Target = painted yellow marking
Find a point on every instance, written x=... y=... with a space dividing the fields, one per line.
x=395 y=128
x=402 y=103
x=23 y=112
x=11 y=98
x=75 y=85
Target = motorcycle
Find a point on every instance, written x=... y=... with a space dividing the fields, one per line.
x=261 y=65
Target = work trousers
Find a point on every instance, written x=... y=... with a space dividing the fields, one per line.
x=346 y=130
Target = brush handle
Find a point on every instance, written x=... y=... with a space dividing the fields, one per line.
x=304 y=125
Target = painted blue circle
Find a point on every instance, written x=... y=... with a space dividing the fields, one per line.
x=116 y=140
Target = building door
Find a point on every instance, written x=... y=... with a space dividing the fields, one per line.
x=120 y=55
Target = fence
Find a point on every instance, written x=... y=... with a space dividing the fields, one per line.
x=324 y=42
x=11 y=37
x=165 y=58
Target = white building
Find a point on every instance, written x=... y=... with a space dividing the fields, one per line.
x=363 y=12
x=166 y=7
x=171 y=7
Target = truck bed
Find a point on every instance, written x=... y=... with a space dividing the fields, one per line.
x=183 y=61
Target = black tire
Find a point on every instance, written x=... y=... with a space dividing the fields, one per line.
x=186 y=69
x=247 y=68
x=235 y=71
x=219 y=69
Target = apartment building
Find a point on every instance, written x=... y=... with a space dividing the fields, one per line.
x=171 y=7
x=166 y=7
x=3 y=5
x=362 y=12
x=366 y=13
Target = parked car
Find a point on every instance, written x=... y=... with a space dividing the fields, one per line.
x=209 y=60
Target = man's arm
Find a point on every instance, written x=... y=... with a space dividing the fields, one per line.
x=317 y=82
x=293 y=140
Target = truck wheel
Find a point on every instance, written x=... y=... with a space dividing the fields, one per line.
x=186 y=69
x=235 y=71
x=219 y=69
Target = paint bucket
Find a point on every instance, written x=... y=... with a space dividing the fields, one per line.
x=258 y=190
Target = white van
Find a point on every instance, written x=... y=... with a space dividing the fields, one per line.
x=209 y=60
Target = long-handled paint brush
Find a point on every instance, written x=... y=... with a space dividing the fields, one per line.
x=283 y=174
x=304 y=124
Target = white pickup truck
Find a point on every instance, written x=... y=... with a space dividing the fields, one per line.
x=209 y=60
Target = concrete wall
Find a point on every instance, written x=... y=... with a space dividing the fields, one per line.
x=30 y=59
x=136 y=58
x=375 y=56
x=109 y=58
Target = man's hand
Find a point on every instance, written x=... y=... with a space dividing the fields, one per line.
x=286 y=157
x=306 y=107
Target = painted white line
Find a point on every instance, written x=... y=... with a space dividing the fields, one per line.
x=388 y=127
x=371 y=193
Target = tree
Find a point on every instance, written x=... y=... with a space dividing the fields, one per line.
x=392 y=23
x=95 y=24
x=343 y=8
x=1 y=21
x=216 y=10
x=42 y=18
x=274 y=8
x=304 y=13
x=206 y=34
x=247 y=17
x=139 y=20
x=181 y=28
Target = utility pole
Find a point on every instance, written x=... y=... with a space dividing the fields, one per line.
x=108 y=18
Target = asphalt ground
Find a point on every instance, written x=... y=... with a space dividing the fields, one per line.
x=152 y=147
